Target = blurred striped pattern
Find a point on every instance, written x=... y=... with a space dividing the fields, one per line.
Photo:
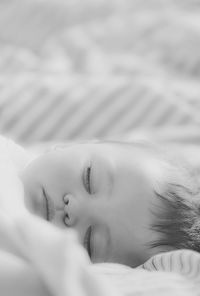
x=35 y=111
x=99 y=69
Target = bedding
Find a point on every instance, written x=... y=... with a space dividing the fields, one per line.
x=63 y=266
x=58 y=79
x=96 y=69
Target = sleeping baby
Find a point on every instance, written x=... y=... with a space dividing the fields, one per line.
x=126 y=201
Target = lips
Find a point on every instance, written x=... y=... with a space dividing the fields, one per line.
x=50 y=209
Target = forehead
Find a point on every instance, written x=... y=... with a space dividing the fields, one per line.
x=130 y=156
x=118 y=149
x=141 y=157
x=133 y=165
x=137 y=164
x=124 y=154
x=121 y=153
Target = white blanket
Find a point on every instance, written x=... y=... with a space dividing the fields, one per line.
x=66 y=270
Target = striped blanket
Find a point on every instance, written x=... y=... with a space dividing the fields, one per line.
x=96 y=69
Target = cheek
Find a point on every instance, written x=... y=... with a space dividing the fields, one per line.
x=129 y=243
x=43 y=171
x=62 y=174
x=125 y=247
x=58 y=172
x=136 y=191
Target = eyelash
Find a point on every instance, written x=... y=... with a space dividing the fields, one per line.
x=87 y=179
x=87 y=241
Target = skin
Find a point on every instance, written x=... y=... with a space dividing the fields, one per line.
x=113 y=199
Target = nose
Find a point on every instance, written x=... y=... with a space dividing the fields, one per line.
x=70 y=209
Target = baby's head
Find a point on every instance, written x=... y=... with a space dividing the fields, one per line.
x=126 y=201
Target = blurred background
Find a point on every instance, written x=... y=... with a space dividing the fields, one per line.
x=80 y=69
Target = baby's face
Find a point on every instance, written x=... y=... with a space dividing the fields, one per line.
x=101 y=190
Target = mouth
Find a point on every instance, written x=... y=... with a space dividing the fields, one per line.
x=50 y=209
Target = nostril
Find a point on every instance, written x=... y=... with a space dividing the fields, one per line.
x=66 y=199
x=70 y=209
x=66 y=220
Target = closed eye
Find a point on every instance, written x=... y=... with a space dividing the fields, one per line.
x=87 y=179
x=87 y=241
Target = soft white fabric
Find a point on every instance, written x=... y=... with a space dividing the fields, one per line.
x=66 y=270
x=12 y=160
x=14 y=153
